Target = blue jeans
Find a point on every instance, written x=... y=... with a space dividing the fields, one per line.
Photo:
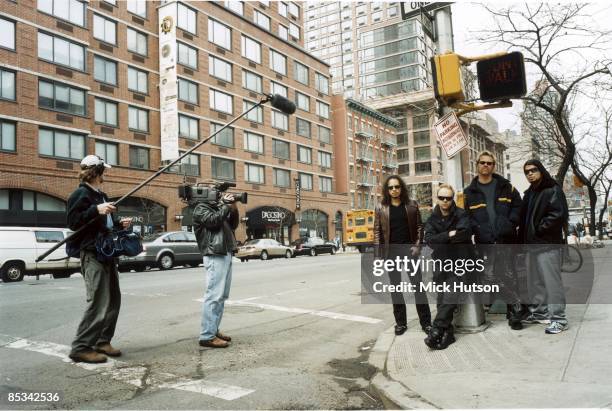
x=218 y=279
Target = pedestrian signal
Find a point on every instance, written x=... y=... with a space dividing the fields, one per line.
x=502 y=78
x=448 y=82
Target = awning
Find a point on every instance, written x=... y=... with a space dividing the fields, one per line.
x=269 y=216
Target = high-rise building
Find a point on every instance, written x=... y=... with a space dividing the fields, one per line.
x=83 y=77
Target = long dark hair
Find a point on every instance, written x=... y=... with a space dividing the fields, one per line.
x=386 y=200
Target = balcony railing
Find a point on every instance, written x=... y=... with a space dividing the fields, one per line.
x=366 y=181
x=364 y=133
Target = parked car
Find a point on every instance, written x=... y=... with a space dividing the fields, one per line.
x=20 y=246
x=164 y=250
x=263 y=248
x=313 y=246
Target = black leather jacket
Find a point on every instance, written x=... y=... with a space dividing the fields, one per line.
x=437 y=228
x=214 y=225
x=549 y=213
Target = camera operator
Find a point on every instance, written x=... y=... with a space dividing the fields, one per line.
x=214 y=223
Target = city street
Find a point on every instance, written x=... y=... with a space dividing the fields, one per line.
x=301 y=339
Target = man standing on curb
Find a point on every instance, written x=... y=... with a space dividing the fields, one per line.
x=543 y=216
x=493 y=206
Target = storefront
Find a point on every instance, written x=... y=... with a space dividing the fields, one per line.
x=314 y=223
x=25 y=208
x=147 y=216
x=270 y=222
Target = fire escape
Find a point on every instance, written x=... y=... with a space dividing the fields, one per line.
x=390 y=143
x=366 y=181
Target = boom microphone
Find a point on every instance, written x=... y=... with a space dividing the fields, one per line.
x=281 y=103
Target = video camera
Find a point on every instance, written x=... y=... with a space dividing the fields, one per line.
x=208 y=193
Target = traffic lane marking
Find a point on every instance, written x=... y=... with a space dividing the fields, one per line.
x=133 y=375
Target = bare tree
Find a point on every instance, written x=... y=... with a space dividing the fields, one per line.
x=549 y=35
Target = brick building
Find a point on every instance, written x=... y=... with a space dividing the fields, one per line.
x=84 y=78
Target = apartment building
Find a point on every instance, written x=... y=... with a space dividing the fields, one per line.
x=96 y=78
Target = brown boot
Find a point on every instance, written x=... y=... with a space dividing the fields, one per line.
x=88 y=356
x=214 y=343
x=108 y=349
x=223 y=336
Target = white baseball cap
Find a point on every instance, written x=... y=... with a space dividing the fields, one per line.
x=92 y=161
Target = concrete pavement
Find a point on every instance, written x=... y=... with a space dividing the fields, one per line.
x=502 y=368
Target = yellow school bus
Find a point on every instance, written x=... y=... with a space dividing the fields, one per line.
x=359 y=228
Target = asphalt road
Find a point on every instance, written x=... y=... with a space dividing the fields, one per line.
x=301 y=338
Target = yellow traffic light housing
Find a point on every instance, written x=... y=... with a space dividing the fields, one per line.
x=448 y=82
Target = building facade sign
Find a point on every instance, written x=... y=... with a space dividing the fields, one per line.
x=168 y=82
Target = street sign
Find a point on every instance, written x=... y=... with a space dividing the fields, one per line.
x=450 y=134
x=502 y=77
x=414 y=8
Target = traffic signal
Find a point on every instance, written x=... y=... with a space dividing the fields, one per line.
x=502 y=78
x=448 y=82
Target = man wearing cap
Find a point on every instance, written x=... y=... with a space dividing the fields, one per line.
x=87 y=203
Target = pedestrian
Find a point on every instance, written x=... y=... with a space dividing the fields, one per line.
x=214 y=225
x=398 y=232
x=447 y=227
x=493 y=206
x=543 y=217
x=92 y=343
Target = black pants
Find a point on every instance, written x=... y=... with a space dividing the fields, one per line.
x=446 y=303
x=500 y=270
x=399 y=304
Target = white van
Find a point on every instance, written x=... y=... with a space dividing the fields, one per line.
x=20 y=246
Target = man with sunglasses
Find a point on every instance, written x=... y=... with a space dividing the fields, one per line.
x=493 y=206
x=398 y=232
x=543 y=216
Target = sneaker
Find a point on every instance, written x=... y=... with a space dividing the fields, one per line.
x=530 y=319
x=556 y=327
x=400 y=329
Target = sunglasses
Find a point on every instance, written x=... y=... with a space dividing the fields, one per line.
x=531 y=171
x=486 y=163
x=443 y=198
x=394 y=187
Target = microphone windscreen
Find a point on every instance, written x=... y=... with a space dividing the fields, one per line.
x=284 y=105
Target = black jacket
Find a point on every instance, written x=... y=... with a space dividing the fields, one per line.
x=437 y=228
x=549 y=213
x=83 y=207
x=507 y=210
x=214 y=225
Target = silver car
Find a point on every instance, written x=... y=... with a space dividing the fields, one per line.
x=263 y=248
x=164 y=250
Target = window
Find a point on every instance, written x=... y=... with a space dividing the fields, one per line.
x=421 y=137
x=280 y=149
x=361 y=21
x=7 y=84
x=325 y=159
x=255 y=115
x=321 y=83
x=254 y=173
x=223 y=169
x=282 y=9
x=139 y=157
x=294 y=9
x=304 y=155
x=106 y=112
x=323 y=109
x=137 y=80
x=220 y=69
x=278 y=62
x=422 y=153
x=279 y=89
x=235 y=6
x=70 y=10
x=302 y=101
x=138 y=119
x=7 y=40
x=252 y=81
x=7 y=136
x=294 y=30
x=105 y=71
x=282 y=178
x=251 y=49
x=113 y=2
x=189 y=127
x=280 y=120
x=60 y=51
x=136 y=42
x=392 y=11
x=108 y=152
x=261 y=19
x=190 y=164
x=283 y=32
x=104 y=29
x=56 y=143
x=325 y=184
x=302 y=127
x=221 y=101
x=138 y=7
x=324 y=134
x=187 y=55
x=219 y=34
x=422 y=168
x=377 y=16
x=57 y=96
x=224 y=138
x=305 y=181
x=186 y=19
x=188 y=91
x=300 y=73
x=253 y=142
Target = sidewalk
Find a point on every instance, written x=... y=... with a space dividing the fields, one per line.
x=502 y=368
